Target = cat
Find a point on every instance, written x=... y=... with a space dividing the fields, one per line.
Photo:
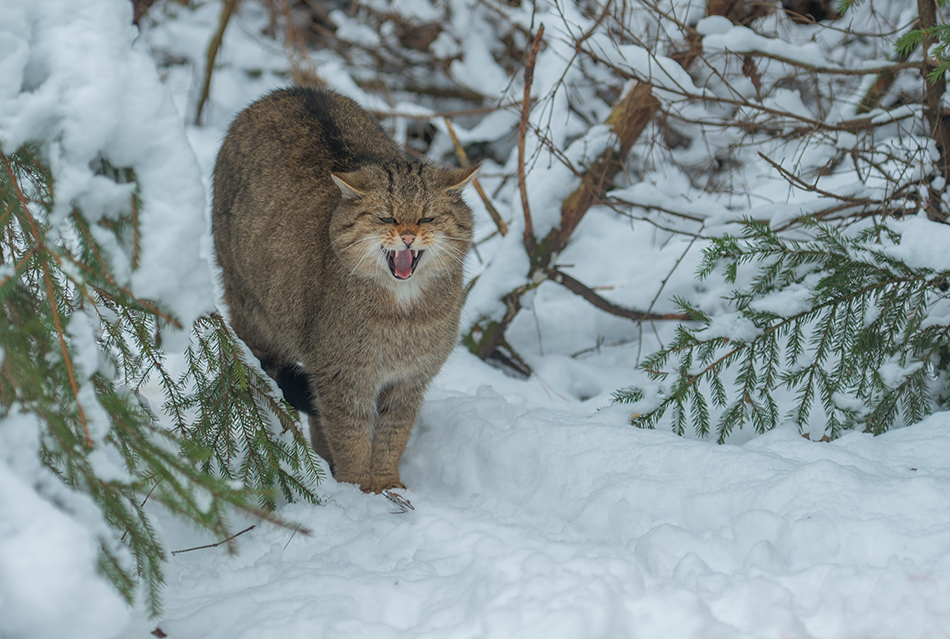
x=342 y=265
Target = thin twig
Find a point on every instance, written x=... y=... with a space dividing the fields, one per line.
x=529 y=241
x=150 y=493
x=135 y=232
x=884 y=68
x=461 y=113
x=656 y=297
x=851 y=126
x=291 y=537
x=226 y=10
x=794 y=179
x=216 y=544
x=465 y=162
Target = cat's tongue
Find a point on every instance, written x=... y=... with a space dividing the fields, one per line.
x=403 y=263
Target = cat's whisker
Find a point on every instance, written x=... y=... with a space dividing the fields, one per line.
x=355 y=242
x=440 y=241
x=369 y=252
x=449 y=248
x=440 y=250
x=440 y=261
x=346 y=237
x=441 y=257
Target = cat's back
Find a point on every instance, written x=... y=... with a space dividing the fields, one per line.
x=299 y=133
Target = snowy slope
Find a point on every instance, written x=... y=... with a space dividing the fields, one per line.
x=539 y=519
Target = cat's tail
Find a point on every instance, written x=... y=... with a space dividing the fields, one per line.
x=295 y=384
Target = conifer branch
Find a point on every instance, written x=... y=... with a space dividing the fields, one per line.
x=51 y=282
x=43 y=251
x=856 y=276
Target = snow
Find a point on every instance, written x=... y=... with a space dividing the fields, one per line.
x=720 y=34
x=923 y=243
x=537 y=518
x=350 y=30
x=790 y=301
x=49 y=585
x=107 y=104
x=733 y=326
x=538 y=511
x=893 y=374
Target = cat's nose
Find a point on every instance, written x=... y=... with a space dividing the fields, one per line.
x=408 y=239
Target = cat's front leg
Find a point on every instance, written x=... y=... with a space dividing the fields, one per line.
x=398 y=405
x=347 y=414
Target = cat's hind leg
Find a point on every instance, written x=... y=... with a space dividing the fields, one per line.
x=319 y=440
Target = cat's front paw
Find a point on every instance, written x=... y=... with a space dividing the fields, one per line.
x=379 y=485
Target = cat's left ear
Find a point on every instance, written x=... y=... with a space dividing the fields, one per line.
x=350 y=184
x=458 y=179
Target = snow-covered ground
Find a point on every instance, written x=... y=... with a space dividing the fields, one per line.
x=537 y=517
x=538 y=511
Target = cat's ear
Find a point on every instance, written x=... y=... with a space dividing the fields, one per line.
x=458 y=179
x=350 y=184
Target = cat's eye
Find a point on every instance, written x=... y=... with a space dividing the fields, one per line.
x=388 y=220
x=423 y=220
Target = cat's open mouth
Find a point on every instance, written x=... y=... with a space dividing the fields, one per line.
x=403 y=263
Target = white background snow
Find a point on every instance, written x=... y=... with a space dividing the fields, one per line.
x=539 y=512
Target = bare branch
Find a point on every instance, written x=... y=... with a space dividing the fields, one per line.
x=603 y=304
x=465 y=162
x=529 y=240
x=216 y=544
x=226 y=10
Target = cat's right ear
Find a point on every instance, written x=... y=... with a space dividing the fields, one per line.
x=347 y=183
x=458 y=179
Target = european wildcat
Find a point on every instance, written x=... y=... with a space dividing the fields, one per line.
x=343 y=255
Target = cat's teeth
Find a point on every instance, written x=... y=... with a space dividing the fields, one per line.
x=415 y=253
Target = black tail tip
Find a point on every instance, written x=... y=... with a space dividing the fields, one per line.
x=295 y=384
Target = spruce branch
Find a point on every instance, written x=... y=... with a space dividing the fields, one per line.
x=42 y=251
x=51 y=273
x=842 y=279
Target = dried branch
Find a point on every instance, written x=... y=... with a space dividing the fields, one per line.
x=529 y=240
x=800 y=183
x=302 y=68
x=216 y=544
x=226 y=10
x=402 y=504
x=603 y=304
x=465 y=162
x=628 y=119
